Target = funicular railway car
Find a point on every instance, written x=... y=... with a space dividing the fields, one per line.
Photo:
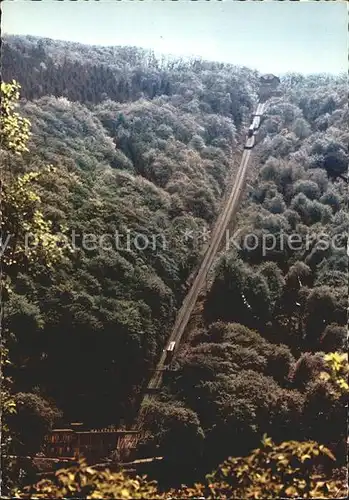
x=250 y=142
x=256 y=122
x=170 y=351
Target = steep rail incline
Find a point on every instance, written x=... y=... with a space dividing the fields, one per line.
x=220 y=227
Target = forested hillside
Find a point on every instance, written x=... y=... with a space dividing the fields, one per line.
x=152 y=164
x=138 y=146
x=278 y=302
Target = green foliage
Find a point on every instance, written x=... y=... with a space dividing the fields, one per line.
x=247 y=297
x=174 y=430
x=319 y=311
x=334 y=338
x=286 y=470
x=309 y=188
x=307 y=368
x=26 y=233
x=291 y=295
x=31 y=422
x=326 y=398
x=226 y=379
x=21 y=218
x=146 y=146
x=133 y=152
x=338 y=370
x=14 y=128
x=301 y=128
x=30 y=234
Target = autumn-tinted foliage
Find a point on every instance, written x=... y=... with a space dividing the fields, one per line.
x=289 y=470
x=21 y=219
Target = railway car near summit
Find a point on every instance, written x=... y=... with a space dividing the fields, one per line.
x=268 y=87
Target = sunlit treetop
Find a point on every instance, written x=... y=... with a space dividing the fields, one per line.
x=15 y=130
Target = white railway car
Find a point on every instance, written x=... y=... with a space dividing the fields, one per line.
x=256 y=122
x=250 y=142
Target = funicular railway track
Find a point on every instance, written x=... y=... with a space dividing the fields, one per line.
x=218 y=232
x=268 y=86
